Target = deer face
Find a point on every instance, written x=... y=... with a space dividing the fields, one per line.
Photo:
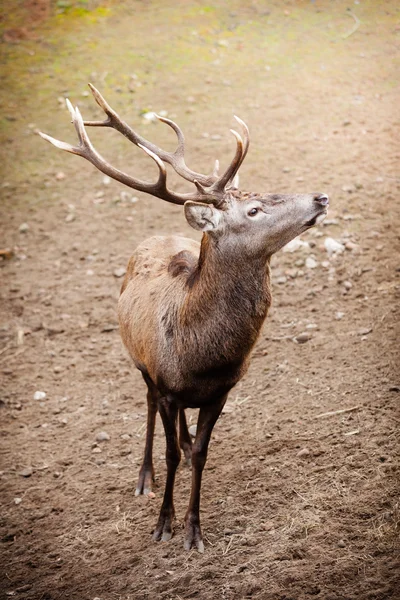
x=258 y=222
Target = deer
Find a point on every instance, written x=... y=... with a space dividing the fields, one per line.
x=190 y=313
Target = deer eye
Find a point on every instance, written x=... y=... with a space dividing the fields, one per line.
x=253 y=211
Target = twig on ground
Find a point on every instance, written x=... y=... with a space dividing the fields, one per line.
x=355 y=27
x=337 y=412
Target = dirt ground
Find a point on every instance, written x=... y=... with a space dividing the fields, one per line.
x=296 y=503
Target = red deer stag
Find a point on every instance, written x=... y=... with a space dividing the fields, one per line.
x=191 y=313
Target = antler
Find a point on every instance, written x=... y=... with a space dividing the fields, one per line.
x=209 y=189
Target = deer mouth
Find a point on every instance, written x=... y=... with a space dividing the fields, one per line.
x=316 y=219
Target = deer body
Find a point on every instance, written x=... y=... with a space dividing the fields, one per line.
x=191 y=337
x=191 y=313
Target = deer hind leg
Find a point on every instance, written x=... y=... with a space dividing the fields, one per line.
x=185 y=441
x=208 y=416
x=169 y=413
x=146 y=473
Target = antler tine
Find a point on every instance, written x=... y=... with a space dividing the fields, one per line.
x=179 y=134
x=231 y=171
x=246 y=139
x=175 y=159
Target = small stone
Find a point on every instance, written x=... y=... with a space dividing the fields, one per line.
x=27 y=472
x=351 y=246
x=151 y=495
x=69 y=218
x=125 y=436
x=102 y=436
x=295 y=244
x=348 y=188
x=39 y=395
x=364 y=331
x=23 y=228
x=339 y=315
x=311 y=263
x=303 y=453
x=286 y=170
x=347 y=285
x=106 y=180
x=341 y=544
x=302 y=338
x=109 y=327
x=96 y=450
x=60 y=176
x=119 y=272
x=17 y=501
x=57 y=369
x=332 y=246
x=281 y=279
x=193 y=430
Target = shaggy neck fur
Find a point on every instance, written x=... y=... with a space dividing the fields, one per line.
x=228 y=300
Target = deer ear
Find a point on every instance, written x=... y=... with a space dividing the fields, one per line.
x=200 y=216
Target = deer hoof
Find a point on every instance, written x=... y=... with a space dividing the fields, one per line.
x=145 y=481
x=163 y=530
x=193 y=539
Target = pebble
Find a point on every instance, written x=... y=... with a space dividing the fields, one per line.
x=332 y=246
x=295 y=244
x=302 y=338
x=364 y=331
x=193 y=430
x=17 y=501
x=106 y=180
x=351 y=246
x=23 y=228
x=341 y=544
x=303 y=453
x=39 y=395
x=125 y=436
x=339 y=315
x=27 y=472
x=120 y=272
x=96 y=450
x=102 y=436
x=348 y=188
x=311 y=263
x=347 y=285
x=281 y=279
x=60 y=176
x=69 y=218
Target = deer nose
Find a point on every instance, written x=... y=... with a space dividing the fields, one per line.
x=322 y=199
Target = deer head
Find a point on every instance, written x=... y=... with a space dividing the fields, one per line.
x=254 y=222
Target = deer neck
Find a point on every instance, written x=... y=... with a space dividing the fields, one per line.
x=229 y=292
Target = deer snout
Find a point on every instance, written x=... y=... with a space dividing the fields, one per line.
x=322 y=199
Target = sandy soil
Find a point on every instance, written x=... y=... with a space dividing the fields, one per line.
x=295 y=504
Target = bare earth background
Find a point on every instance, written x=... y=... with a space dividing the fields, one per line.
x=295 y=505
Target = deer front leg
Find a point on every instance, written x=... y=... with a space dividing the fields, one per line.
x=208 y=416
x=146 y=473
x=169 y=412
x=185 y=441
